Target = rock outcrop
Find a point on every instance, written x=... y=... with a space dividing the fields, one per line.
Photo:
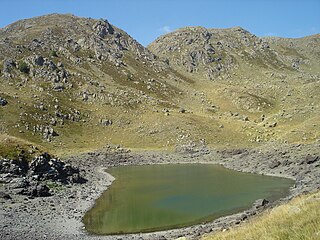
x=213 y=52
x=30 y=178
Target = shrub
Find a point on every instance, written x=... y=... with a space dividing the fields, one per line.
x=23 y=67
x=53 y=53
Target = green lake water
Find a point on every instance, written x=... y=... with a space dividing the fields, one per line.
x=158 y=197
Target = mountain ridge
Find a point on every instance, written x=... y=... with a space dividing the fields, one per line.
x=69 y=79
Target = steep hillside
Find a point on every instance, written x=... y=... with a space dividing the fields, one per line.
x=301 y=52
x=270 y=83
x=72 y=82
x=77 y=84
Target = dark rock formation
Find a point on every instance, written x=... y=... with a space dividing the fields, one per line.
x=3 y=102
x=260 y=203
x=28 y=177
x=36 y=190
x=5 y=196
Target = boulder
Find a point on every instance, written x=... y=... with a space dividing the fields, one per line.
x=105 y=122
x=51 y=65
x=49 y=132
x=27 y=177
x=40 y=164
x=47 y=168
x=274 y=164
x=8 y=65
x=5 y=196
x=58 y=87
x=36 y=190
x=3 y=102
x=13 y=167
x=209 y=48
x=38 y=60
x=234 y=152
x=19 y=183
x=182 y=110
x=272 y=125
x=42 y=191
x=309 y=159
x=260 y=203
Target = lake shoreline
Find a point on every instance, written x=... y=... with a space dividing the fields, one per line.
x=59 y=216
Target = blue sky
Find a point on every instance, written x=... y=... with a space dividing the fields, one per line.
x=145 y=20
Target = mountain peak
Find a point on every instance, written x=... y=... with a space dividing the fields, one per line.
x=63 y=75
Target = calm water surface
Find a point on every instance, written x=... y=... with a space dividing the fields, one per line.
x=158 y=197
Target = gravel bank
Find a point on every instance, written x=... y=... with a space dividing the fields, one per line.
x=59 y=216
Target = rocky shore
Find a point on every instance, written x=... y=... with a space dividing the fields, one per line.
x=59 y=214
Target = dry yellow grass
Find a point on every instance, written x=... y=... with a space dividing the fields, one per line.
x=298 y=219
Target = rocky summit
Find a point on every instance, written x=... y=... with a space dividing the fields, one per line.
x=85 y=91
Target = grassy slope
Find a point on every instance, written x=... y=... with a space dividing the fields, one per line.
x=144 y=124
x=296 y=220
x=148 y=126
x=291 y=96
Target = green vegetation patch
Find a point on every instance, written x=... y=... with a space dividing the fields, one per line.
x=23 y=67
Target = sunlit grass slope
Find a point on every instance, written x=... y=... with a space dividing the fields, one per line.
x=299 y=219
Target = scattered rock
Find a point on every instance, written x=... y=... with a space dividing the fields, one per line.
x=260 y=203
x=182 y=110
x=38 y=60
x=310 y=159
x=274 y=164
x=27 y=177
x=47 y=168
x=273 y=124
x=19 y=183
x=105 y=122
x=13 y=167
x=3 y=102
x=58 y=87
x=5 y=196
x=234 y=152
x=36 y=190
x=8 y=65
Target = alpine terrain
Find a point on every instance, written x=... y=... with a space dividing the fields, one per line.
x=83 y=90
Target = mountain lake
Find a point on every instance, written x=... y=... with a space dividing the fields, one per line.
x=161 y=197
